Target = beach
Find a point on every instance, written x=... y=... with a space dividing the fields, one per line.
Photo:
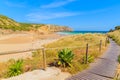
x=22 y=44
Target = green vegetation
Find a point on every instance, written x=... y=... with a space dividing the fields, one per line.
x=65 y=57
x=29 y=26
x=119 y=58
x=90 y=59
x=116 y=28
x=15 y=69
x=8 y=23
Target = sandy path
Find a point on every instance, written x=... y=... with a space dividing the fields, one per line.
x=51 y=73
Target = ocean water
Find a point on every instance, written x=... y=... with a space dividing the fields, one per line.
x=81 y=32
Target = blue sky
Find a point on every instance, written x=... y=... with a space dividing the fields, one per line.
x=98 y=15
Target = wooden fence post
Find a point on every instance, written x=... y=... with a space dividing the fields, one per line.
x=44 y=58
x=100 y=46
x=86 y=61
x=106 y=41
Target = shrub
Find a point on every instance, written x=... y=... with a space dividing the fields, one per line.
x=15 y=69
x=65 y=57
x=90 y=59
x=119 y=58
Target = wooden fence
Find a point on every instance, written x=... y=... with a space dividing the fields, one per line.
x=44 y=54
x=86 y=55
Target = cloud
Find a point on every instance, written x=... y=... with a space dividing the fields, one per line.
x=11 y=4
x=35 y=17
x=57 y=4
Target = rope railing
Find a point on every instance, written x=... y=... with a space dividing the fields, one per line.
x=93 y=45
x=73 y=47
x=17 y=51
x=87 y=46
x=27 y=50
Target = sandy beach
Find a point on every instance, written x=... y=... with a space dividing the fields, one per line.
x=23 y=42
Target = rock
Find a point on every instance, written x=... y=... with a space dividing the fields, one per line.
x=51 y=73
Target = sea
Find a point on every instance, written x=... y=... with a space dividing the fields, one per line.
x=81 y=32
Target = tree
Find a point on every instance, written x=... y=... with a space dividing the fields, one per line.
x=117 y=28
x=111 y=30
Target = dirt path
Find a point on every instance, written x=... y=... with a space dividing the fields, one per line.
x=103 y=68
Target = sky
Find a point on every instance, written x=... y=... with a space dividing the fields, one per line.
x=81 y=15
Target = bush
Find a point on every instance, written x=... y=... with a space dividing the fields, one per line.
x=90 y=59
x=65 y=57
x=119 y=58
x=15 y=69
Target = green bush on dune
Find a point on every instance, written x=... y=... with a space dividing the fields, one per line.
x=90 y=59
x=15 y=69
x=65 y=57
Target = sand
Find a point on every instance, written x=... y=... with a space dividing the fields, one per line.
x=25 y=38
x=23 y=42
x=51 y=73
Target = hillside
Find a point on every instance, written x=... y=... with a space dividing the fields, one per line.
x=116 y=28
x=115 y=34
x=8 y=23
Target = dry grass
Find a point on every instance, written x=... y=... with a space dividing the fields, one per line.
x=115 y=35
x=4 y=67
x=117 y=74
x=77 y=40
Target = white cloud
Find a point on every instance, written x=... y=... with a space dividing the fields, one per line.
x=46 y=16
x=57 y=4
x=38 y=16
x=11 y=4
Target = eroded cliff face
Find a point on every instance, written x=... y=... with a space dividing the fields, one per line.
x=55 y=28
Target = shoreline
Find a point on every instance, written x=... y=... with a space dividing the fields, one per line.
x=80 y=32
